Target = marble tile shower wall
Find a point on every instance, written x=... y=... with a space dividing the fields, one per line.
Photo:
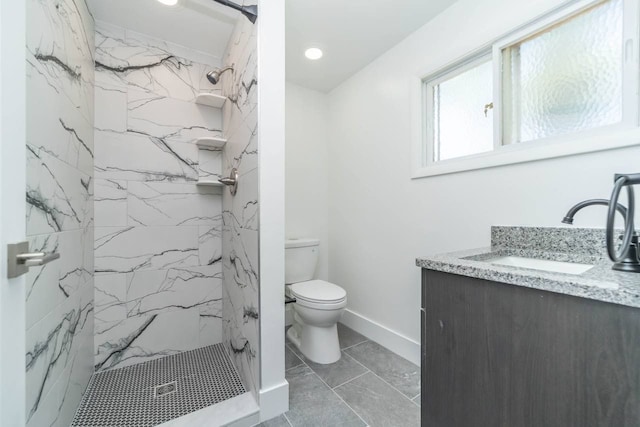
x=240 y=212
x=158 y=285
x=59 y=197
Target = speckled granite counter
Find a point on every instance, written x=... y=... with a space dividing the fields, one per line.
x=581 y=245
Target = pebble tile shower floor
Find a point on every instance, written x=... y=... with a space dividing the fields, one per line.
x=126 y=397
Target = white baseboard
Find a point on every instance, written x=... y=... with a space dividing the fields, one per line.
x=274 y=401
x=239 y=411
x=394 y=341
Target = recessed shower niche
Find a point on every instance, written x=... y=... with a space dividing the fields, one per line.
x=210 y=147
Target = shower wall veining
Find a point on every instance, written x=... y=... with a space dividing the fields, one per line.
x=59 y=197
x=240 y=212
x=158 y=236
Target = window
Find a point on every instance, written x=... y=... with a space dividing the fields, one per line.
x=569 y=76
x=565 y=79
x=461 y=105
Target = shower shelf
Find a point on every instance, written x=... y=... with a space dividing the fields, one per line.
x=211 y=142
x=211 y=99
x=208 y=183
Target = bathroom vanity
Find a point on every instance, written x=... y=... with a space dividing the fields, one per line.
x=504 y=345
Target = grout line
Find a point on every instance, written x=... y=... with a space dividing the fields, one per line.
x=290 y=344
x=367 y=370
x=353 y=345
x=298 y=357
x=339 y=397
x=287 y=419
x=293 y=349
x=331 y=389
x=293 y=367
x=416 y=403
x=384 y=381
x=359 y=363
x=301 y=364
x=401 y=393
x=354 y=378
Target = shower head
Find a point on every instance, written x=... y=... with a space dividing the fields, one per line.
x=214 y=76
x=251 y=12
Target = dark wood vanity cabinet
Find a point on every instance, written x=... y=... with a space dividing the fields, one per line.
x=495 y=355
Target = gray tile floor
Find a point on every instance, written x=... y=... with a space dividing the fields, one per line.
x=369 y=385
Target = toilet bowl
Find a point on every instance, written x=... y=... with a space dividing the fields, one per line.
x=318 y=307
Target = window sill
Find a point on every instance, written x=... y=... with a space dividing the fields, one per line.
x=533 y=151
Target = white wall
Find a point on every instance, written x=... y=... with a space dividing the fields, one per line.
x=274 y=389
x=12 y=209
x=380 y=220
x=306 y=190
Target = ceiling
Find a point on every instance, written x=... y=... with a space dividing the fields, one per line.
x=352 y=33
x=197 y=24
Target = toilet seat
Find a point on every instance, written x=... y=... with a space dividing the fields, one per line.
x=319 y=294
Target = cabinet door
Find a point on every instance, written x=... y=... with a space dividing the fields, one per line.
x=502 y=355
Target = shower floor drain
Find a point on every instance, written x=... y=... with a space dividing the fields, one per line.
x=167 y=388
x=160 y=390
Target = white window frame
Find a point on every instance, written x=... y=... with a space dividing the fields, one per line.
x=429 y=88
x=622 y=134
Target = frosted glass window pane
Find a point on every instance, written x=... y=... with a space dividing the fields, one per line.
x=567 y=78
x=460 y=126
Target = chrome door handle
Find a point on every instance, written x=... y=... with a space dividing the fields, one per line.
x=34 y=259
x=20 y=259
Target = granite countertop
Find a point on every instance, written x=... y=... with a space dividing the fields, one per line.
x=581 y=245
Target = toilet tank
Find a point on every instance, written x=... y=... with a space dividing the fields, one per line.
x=300 y=259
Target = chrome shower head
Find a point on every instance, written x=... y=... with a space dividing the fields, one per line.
x=214 y=76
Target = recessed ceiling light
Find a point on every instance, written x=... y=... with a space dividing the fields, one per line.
x=313 y=53
x=169 y=2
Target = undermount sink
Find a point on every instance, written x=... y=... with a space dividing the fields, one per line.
x=542 y=264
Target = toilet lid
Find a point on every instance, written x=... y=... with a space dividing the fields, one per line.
x=318 y=291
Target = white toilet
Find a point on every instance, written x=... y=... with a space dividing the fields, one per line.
x=319 y=304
